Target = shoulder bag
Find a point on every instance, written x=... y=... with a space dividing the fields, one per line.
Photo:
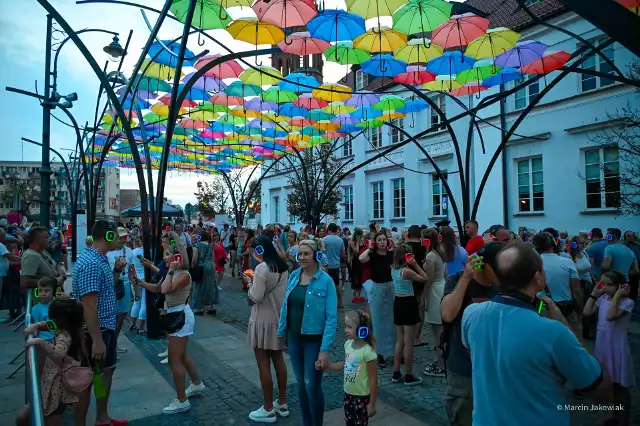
x=76 y=378
x=251 y=302
x=197 y=272
x=170 y=322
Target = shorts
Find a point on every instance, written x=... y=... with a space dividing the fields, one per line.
x=111 y=352
x=458 y=400
x=405 y=310
x=124 y=304
x=355 y=409
x=189 y=321
x=335 y=276
x=60 y=410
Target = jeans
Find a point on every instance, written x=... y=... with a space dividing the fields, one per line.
x=303 y=355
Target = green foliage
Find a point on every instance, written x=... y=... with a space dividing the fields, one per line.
x=212 y=197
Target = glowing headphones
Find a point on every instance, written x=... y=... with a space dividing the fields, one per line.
x=167 y=228
x=363 y=330
x=574 y=244
x=259 y=250
x=319 y=256
x=13 y=231
x=90 y=238
x=110 y=236
x=199 y=237
x=426 y=242
x=172 y=243
x=440 y=238
x=609 y=237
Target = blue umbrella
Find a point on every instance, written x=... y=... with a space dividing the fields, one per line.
x=295 y=79
x=336 y=25
x=273 y=133
x=127 y=104
x=506 y=75
x=450 y=63
x=366 y=113
x=256 y=123
x=195 y=94
x=384 y=66
x=349 y=128
x=413 y=106
x=165 y=58
x=290 y=110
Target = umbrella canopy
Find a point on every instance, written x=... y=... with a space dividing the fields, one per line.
x=228 y=69
x=384 y=66
x=208 y=14
x=504 y=76
x=345 y=54
x=366 y=99
x=374 y=8
x=415 y=74
x=492 y=44
x=261 y=76
x=421 y=16
x=167 y=211
x=523 y=53
x=302 y=44
x=277 y=95
x=551 y=61
x=418 y=51
x=157 y=51
x=285 y=13
x=255 y=32
x=442 y=83
x=151 y=84
x=332 y=92
x=308 y=101
x=336 y=25
x=294 y=81
x=206 y=84
x=450 y=63
x=380 y=40
x=460 y=30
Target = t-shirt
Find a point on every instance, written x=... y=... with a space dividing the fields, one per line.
x=621 y=258
x=38 y=265
x=523 y=360
x=356 y=375
x=225 y=235
x=583 y=266
x=39 y=313
x=4 y=262
x=295 y=314
x=419 y=253
x=474 y=244
x=380 y=267
x=596 y=251
x=333 y=246
x=128 y=255
x=137 y=265
x=559 y=271
x=459 y=360
x=459 y=260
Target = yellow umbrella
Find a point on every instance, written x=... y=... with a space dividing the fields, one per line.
x=338 y=108
x=202 y=115
x=255 y=32
x=418 y=51
x=262 y=76
x=443 y=83
x=495 y=42
x=380 y=40
x=159 y=71
x=326 y=126
x=247 y=113
x=163 y=110
x=332 y=92
x=391 y=115
x=374 y=8
x=276 y=119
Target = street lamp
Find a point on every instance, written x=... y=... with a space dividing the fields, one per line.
x=115 y=50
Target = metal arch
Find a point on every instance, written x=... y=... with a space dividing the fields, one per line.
x=165 y=48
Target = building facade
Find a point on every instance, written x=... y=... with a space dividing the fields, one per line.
x=129 y=198
x=550 y=174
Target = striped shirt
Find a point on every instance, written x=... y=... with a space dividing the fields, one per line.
x=93 y=274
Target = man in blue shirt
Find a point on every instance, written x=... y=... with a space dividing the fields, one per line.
x=94 y=284
x=617 y=256
x=334 y=247
x=521 y=361
x=596 y=251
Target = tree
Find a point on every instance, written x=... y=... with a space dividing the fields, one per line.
x=626 y=137
x=253 y=196
x=314 y=194
x=212 y=197
x=26 y=192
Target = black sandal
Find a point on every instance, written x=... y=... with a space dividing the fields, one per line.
x=382 y=363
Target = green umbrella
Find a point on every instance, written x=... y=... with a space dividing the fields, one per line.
x=370 y=124
x=208 y=15
x=311 y=131
x=232 y=119
x=181 y=131
x=151 y=84
x=345 y=54
x=319 y=115
x=208 y=106
x=421 y=16
x=390 y=103
x=237 y=88
x=477 y=74
x=153 y=118
x=276 y=94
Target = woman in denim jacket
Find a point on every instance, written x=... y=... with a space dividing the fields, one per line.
x=309 y=320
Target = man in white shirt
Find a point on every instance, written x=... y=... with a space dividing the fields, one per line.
x=124 y=304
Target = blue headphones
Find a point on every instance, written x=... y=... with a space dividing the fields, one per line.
x=574 y=245
x=609 y=237
x=363 y=330
x=319 y=257
x=259 y=250
x=199 y=237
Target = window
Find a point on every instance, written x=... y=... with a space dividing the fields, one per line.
x=530 y=186
x=347 y=148
x=276 y=166
x=526 y=95
x=602 y=170
x=398 y=197
x=596 y=63
x=378 y=200
x=397 y=136
x=375 y=137
x=434 y=117
x=348 y=202
x=439 y=199
x=361 y=79
x=275 y=214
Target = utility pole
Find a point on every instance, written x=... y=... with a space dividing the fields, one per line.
x=45 y=167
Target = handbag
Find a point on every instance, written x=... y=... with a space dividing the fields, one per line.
x=119 y=287
x=251 y=302
x=170 y=322
x=76 y=378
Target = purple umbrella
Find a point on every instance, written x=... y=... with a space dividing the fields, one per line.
x=257 y=104
x=256 y=123
x=140 y=94
x=361 y=99
x=523 y=53
x=345 y=119
x=207 y=84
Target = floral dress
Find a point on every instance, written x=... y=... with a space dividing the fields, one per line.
x=53 y=390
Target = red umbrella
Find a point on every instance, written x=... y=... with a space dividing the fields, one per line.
x=303 y=44
x=301 y=122
x=551 y=61
x=306 y=100
x=632 y=5
x=460 y=30
x=285 y=13
x=222 y=99
x=468 y=89
x=415 y=74
x=166 y=99
x=229 y=69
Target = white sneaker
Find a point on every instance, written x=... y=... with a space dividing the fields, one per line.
x=281 y=410
x=177 y=407
x=219 y=288
x=165 y=361
x=195 y=390
x=164 y=354
x=263 y=416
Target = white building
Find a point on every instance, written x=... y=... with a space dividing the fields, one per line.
x=538 y=182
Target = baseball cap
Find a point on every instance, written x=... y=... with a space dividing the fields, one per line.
x=489 y=253
x=122 y=232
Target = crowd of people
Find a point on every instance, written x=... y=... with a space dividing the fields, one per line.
x=509 y=313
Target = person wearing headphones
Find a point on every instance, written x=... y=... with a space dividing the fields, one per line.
x=309 y=319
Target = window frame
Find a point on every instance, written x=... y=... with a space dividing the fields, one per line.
x=528 y=96
x=530 y=186
x=378 y=139
x=396 y=135
x=601 y=178
x=378 y=205
x=347 y=198
x=436 y=208
x=441 y=101
x=399 y=198
x=275 y=212
x=598 y=63
x=360 y=79
x=347 y=148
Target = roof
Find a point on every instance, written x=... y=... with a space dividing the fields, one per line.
x=507 y=13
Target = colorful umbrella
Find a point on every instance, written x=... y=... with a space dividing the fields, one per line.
x=207 y=84
x=390 y=103
x=551 y=61
x=460 y=30
x=418 y=51
x=257 y=104
x=228 y=69
x=444 y=83
x=384 y=66
x=159 y=71
x=308 y=101
x=163 y=110
x=363 y=99
x=223 y=99
x=277 y=95
x=380 y=40
x=285 y=13
x=161 y=56
x=331 y=92
x=290 y=110
x=370 y=124
x=421 y=16
x=479 y=72
x=336 y=25
x=468 y=89
x=413 y=105
x=237 y=88
x=415 y=74
x=450 y=63
x=302 y=44
x=296 y=82
x=255 y=32
x=374 y=8
x=151 y=84
x=261 y=76
x=345 y=54
x=492 y=44
x=208 y=14
x=523 y=53
x=166 y=99
x=506 y=75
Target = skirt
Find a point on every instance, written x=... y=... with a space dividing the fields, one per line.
x=356 y=274
x=614 y=354
x=381 y=299
x=261 y=335
x=436 y=292
x=405 y=310
x=189 y=321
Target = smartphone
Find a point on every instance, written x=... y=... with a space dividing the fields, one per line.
x=140 y=257
x=426 y=242
x=601 y=285
x=366 y=244
x=177 y=258
x=408 y=257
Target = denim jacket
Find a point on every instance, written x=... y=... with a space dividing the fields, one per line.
x=321 y=310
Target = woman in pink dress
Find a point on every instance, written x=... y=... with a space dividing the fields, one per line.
x=219 y=258
x=610 y=299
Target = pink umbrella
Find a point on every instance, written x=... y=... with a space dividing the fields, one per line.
x=460 y=30
x=306 y=100
x=229 y=69
x=166 y=99
x=303 y=44
x=210 y=134
x=285 y=13
x=551 y=61
x=188 y=123
x=301 y=122
x=415 y=74
x=469 y=89
x=223 y=99
x=258 y=149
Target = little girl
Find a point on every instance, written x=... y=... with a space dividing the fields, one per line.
x=609 y=299
x=360 y=369
x=65 y=317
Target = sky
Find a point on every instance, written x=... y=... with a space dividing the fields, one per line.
x=22 y=55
